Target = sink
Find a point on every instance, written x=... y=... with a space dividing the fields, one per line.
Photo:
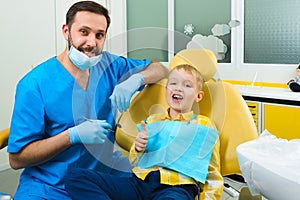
x=270 y=166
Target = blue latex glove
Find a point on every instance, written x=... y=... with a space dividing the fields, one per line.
x=89 y=132
x=123 y=92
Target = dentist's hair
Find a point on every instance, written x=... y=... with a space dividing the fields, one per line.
x=191 y=70
x=89 y=6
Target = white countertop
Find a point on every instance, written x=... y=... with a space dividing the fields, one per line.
x=268 y=92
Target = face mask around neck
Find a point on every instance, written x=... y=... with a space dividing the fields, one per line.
x=81 y=60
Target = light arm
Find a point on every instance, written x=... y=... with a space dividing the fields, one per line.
x=154 y=72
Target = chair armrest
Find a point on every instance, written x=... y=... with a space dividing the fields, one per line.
x=4 y=138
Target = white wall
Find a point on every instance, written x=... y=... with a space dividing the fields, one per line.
x=27 y=37
x=30 y=34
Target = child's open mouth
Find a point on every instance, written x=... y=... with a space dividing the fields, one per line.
x=177 y=98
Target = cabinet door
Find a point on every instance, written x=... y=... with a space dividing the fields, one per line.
x=282 y=120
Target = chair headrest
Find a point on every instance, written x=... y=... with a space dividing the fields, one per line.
x=203 y=60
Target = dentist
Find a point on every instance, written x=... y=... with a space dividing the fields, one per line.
x=49 y=133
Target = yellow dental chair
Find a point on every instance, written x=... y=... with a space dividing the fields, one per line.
x=4 y=138
x=222 y=103
x=3 y=143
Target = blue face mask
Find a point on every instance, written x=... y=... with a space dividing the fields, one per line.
x=81 y=60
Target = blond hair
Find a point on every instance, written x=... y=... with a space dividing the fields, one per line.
x=191 y=70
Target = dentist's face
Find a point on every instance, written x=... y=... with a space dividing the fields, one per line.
x=182 y=91
x=87 y=33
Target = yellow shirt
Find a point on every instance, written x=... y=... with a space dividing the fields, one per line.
x=213 y=188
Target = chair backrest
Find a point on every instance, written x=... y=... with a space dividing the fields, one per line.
x=4 y=138
x=230 y=113
x=222 y=103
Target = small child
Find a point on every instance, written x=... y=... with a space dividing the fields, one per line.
x=294 y=84
x=184 y=88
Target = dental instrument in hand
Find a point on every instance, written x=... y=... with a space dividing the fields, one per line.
x=91 y=120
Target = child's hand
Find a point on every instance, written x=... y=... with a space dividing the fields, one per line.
x=141 y=138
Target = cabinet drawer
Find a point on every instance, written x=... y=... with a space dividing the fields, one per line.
x=252 y=106
x=255 y=110
x=254 y=114
x=282 y=120
x=256 y=122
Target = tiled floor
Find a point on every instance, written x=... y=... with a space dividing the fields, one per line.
x=9 y=179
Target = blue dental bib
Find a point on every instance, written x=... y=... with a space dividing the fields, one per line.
x=179 y=146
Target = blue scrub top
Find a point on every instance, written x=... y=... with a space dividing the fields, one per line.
x=48 y=101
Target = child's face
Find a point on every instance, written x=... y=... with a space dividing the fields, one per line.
x=182 y=91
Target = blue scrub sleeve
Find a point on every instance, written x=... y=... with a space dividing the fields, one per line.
x=132 y=66
x=27 y=124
